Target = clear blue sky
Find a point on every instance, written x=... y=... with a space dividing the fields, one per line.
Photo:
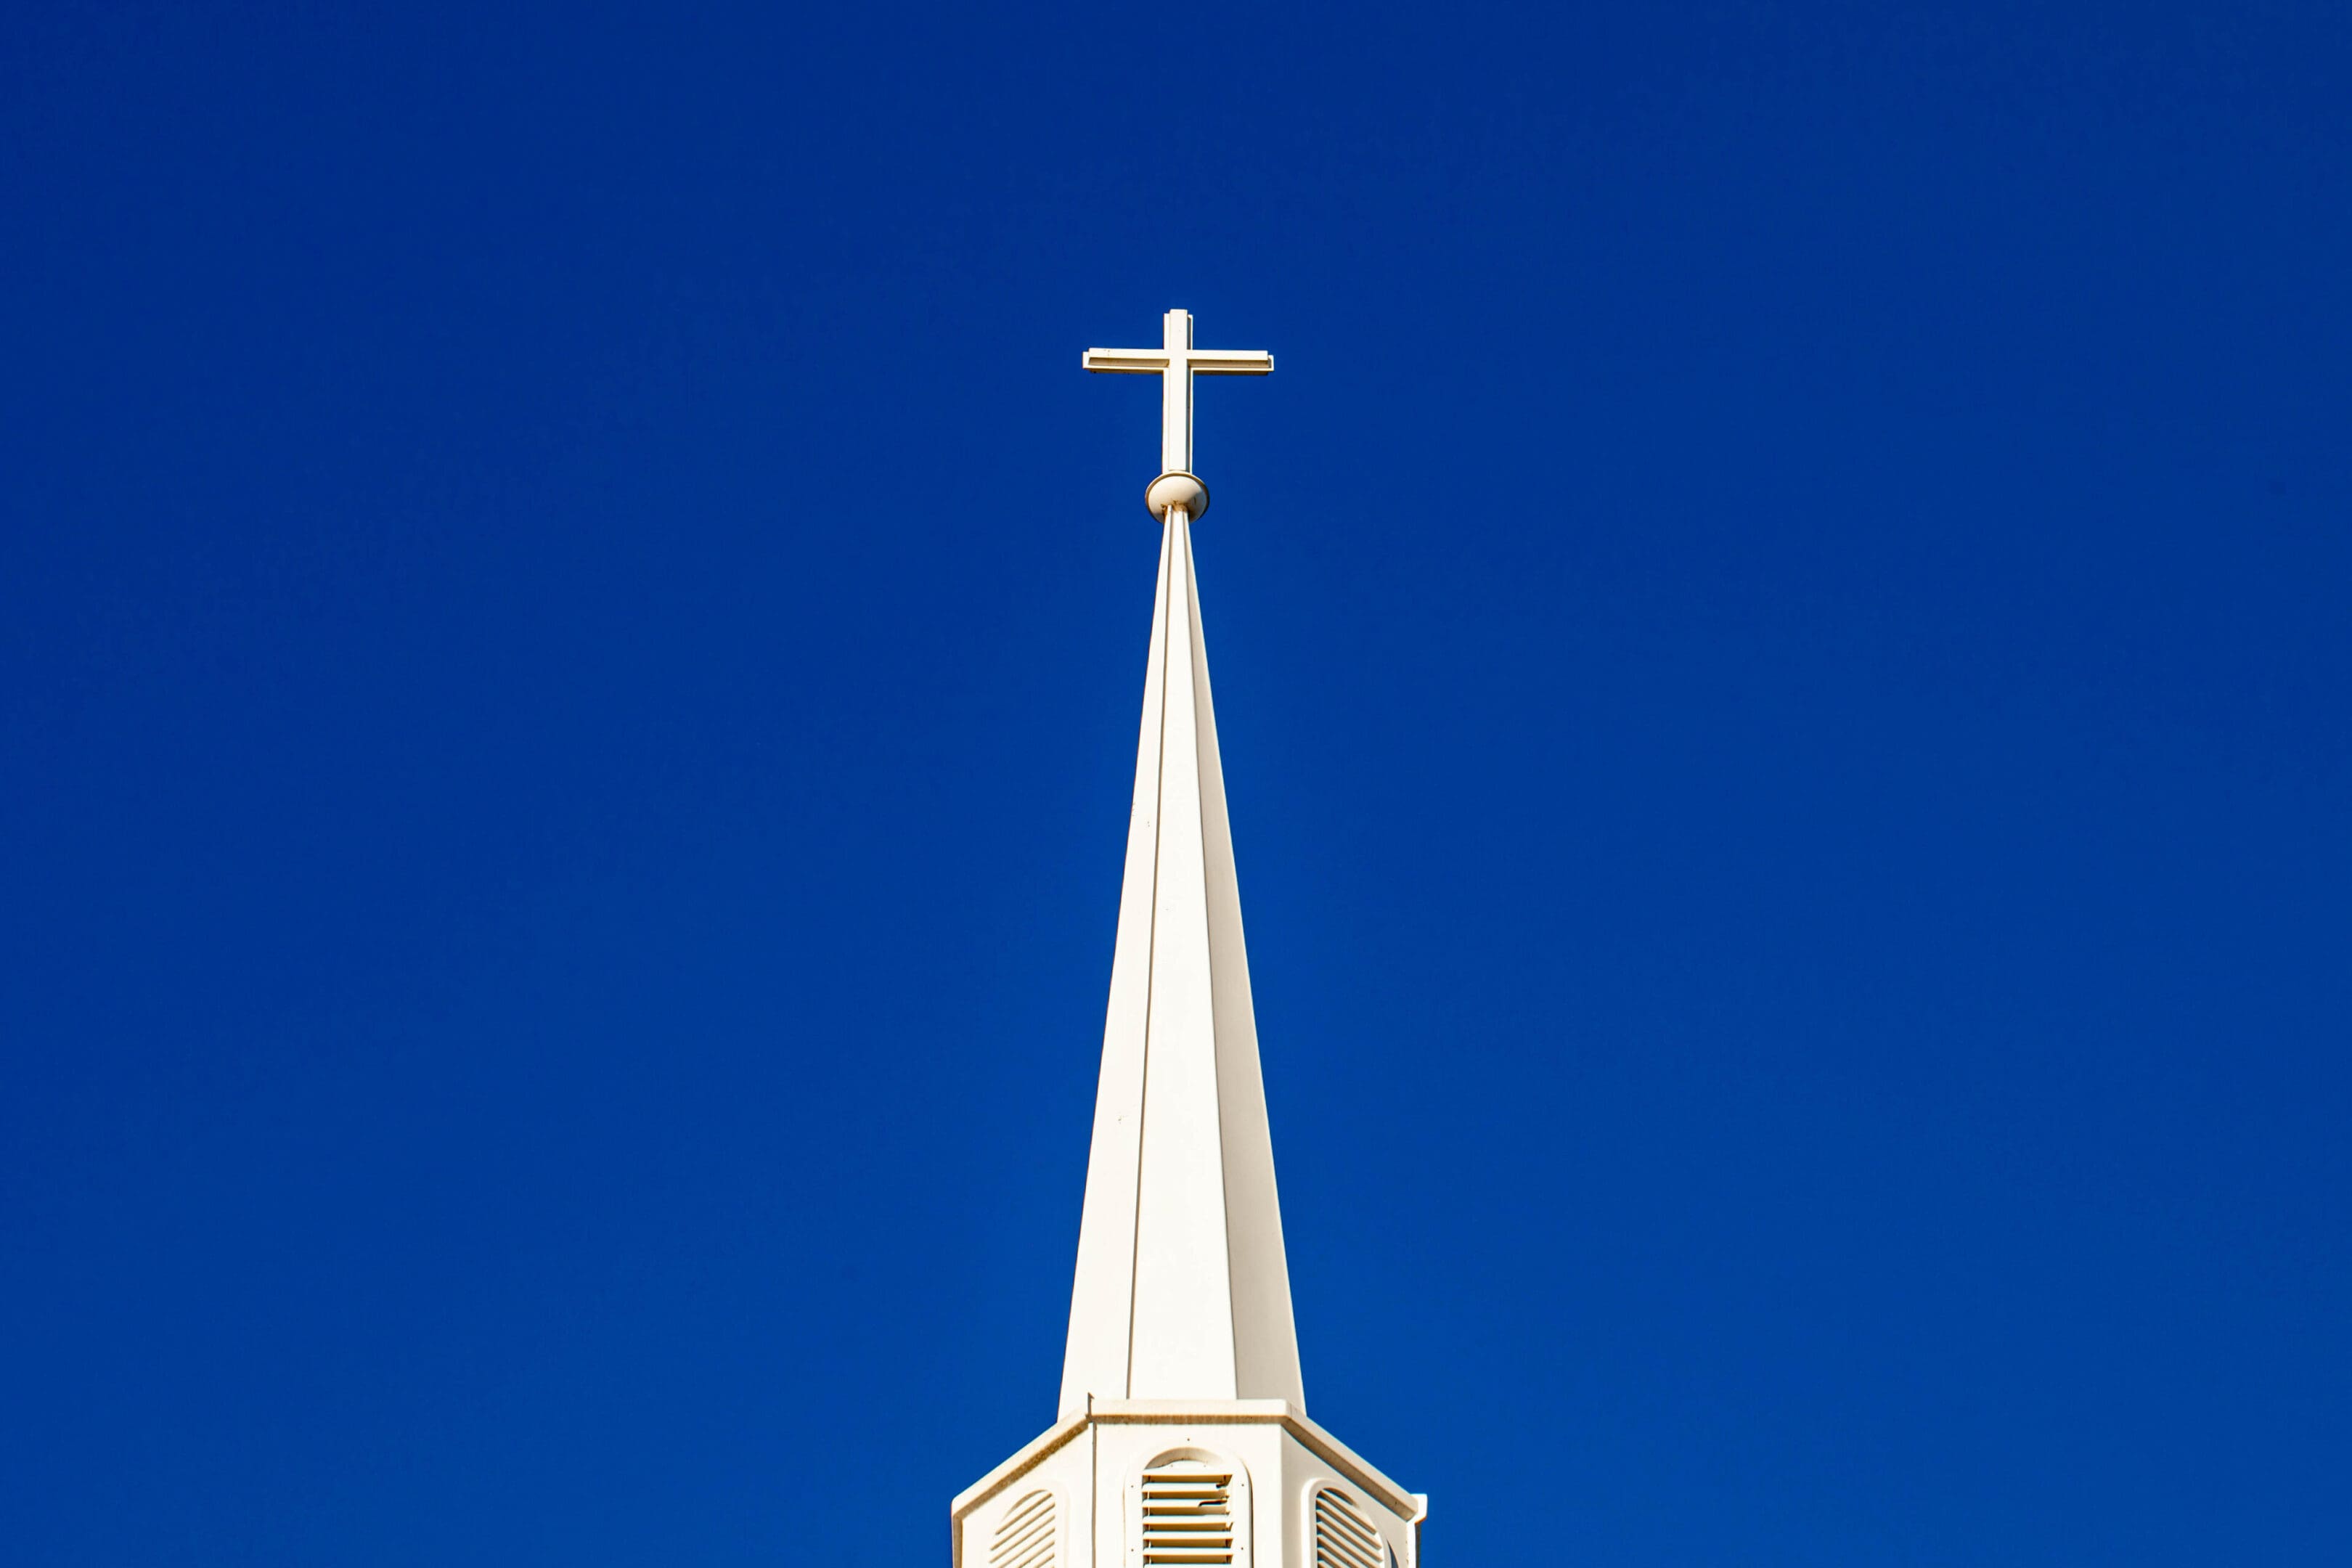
x=571 y=633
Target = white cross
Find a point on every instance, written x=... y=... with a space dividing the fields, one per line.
x=1176 y=361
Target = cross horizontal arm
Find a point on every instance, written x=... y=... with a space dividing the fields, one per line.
x=1127 y=362
x=1204 y=362
x=1230 y=362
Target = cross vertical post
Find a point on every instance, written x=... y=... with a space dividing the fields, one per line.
x=1176 y=394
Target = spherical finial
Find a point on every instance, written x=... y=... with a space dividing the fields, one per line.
x=1177 y=489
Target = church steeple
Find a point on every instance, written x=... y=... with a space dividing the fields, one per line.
x=1183 y=1437
x=1183 y=1291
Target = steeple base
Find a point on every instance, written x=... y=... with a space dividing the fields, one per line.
x=1243 y=1483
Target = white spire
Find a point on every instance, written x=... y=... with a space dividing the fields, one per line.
x=1183 y=1435
x=1183 y=1291
x=1184 y=1432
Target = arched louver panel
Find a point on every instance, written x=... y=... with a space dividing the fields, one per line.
x=1025 y=1535
x=1191 y=1510
x=1344 y=1536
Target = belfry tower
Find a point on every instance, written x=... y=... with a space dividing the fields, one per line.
x=1182 y=1436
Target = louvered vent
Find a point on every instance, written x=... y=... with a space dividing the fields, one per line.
x=1024 y=1539
x=1188 y=1513
x=1344 y=1538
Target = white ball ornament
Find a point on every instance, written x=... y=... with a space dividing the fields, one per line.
x=1172 y=490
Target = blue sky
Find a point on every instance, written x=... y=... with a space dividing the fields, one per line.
x=572 y=631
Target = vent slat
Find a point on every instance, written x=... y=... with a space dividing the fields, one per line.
x=1360 y=1540
x=1345 y=1536
x=1348 y=1538
x=1023 y=1554
x=1040 y=1556
x=1187 y=1519
x=1015 y=1536
x=1026 y=1546
x=1011 y=1528
x=1024 y=1536
x=1017 y=1554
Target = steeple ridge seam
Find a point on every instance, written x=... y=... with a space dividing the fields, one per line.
x=1150 y=952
